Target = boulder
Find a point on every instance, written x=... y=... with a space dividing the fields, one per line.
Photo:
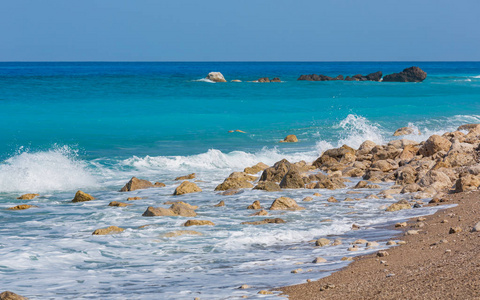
x=7 y=295
x=265 y=221
x=135 y=198
x=276 y=79
x=187 y=187
x=255 y=205
x=82 y=197
x=263 y=79
x=21 y=207
x=366 y=147
x=319 y=260
x=332 y=199
x=330 y=183
x=277 y=171
x=377 y=76
x=177 y=209
x=118 y=204
x=180 y=232
x=353 y=172
x=403 y=131
x=434 y=144
x=216 y=77
x=242 y=176
x=467 y=182
x=186 y=177
x=411 y=188
x=256 y=168
x=315 y=77
x=322 y=242
x=409 y=152
x=108 y=230
x=268 y=186
x=344 y=154
x=383 y=165
x=136 y=184
x=292 y=180
x=233 y=183
x=436 y=179
x=198 y=223
x=402 y=204
x=181 y=203
x=28 y=196
x=291 y=138
x=412 y=74
x=285 y=203
x=159 y=184
x=260 y=213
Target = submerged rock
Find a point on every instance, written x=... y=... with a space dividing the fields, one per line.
x=265 y=221
x=179 y=233
x=255 y=205
x=285 y=203
x=268 y=186
x=220 y=204
x=412 y=74
x=108 y=230
x=28 y=196
x=82 y=197
x=198 y=223
x=21 y=207
x=136 y=184
x=118 y=204
x=186 y=187
x=216 y=77
x=186 y=177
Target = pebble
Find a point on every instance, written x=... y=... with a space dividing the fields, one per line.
x=390 y=275
x=319 y=260
x=244 y=287
x=390 y=243
x=411 y=232
x=382 y=253
x=448 y=251
x=455 y=229
x=476 y=228
x=401 y=242
x=403 y=224
x=327 y=287
x=264 y=292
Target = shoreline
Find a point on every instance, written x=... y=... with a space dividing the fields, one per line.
x=433 y=264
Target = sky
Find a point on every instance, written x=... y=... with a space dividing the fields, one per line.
x=260 y=30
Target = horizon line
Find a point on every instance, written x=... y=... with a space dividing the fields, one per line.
x=227 y=61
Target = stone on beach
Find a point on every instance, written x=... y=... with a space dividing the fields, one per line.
x=136 y=184
x=434 y=144
x=291 y=138
x=402 y=204
x=28 y=196
x=82 y=197
x=198 y=223
x=187 y=187
x=186 y=177
x=216 y=77
x=108 y=230
x=285 y=203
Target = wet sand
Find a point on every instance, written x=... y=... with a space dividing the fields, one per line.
x=433 y=264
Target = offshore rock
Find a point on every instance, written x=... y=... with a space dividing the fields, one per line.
x=177 y=209
x=187 y=187
x=277 y=172
x=136 y=184
x=180 y=232
x=315 y=77
x=265 y=221
x=198 y=223
x=233 y=183
x=28 y=196
x=216 y=77
x=403 y=131
x=7 y=295
x=285 y=203
x=186 y=177
x=291 y=138
x=292 y=180
x=412 y=74
x=108 y=230
x=256 y=168
x=21 y=207
x=82 y=197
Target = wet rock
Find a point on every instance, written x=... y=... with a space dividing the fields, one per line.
x=391 y=243
x=360 y=241
x=265 y=221
x=330 y=183
x=268 y=186
x=216 y=77
x=187 y=187
x=353 y=248
x=366 y=147
x=231 y=192
x=336 y=242
x=189 y=206
x=353 y=172
x=242 y=176
x=344 y=154
x=264 y=292
x=291 y=138
x=135 y=198
x=177 y=209
x=434 y=144
x=255 y=205
x=322 y=242
x=402 y=204
x=412 y=74
x=256 y=168
x=319 y=260
x=372 y=244
x=307 y=199
x=180 y=232
x=7 y=295
x=118 y=204
x=346 y=258
x=28 y=196
x=108 y=230
x=136 y=184
x=384 y=165
x=260 y=213
x=285 y=203
x=159 y=184
x=332 y=199
x=21 y=207
x=403 y=131
x=198 y=223
x=411 y=188
x=315 y=77
x=277 y=171
x=220 y=204
x=233 y=183
x=186 y=177
x=292 y=180
x=82 y=197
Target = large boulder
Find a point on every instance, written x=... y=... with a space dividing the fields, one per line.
x=291 y=138
x=268 y=186
x=256 y=168
x=233 y=183
x=344 y=154
x=403 y=131
x=285 y=203
x=436 y=179
x=412 y=74
x=434 y=144
x=292 y=180
x=330 y=184
x=216 y=77
x=82 y=197
x=277 y=171
x=136 y=184
x=467 y=182
x=187 y=187
x=7 y=295
x=108 y=230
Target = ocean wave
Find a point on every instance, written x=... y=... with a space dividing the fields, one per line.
x=57 y=169
x=204 y=80
x=478 y=76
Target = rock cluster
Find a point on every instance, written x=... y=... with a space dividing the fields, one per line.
x=266 y=79
x=412 y=74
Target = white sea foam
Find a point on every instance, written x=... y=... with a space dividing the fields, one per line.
x=57 y=169
x=204 y=80
x=478 y=76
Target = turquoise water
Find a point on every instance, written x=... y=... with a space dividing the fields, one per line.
x=91 y=126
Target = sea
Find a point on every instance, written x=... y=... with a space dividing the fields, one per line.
x=91 y=126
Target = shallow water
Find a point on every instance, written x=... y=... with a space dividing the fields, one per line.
x=92 y=126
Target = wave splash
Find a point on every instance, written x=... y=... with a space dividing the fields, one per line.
x=57 y=169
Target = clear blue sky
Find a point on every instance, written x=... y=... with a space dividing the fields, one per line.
x=244 y=30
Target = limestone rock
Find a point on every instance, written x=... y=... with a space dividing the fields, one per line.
x=135 y=198
x=177 y=209
x=321 y=242
x=220 y=204
x=456 y=229
x=189 y=206
x=412 y=74
x=434 y=144
x=260 y=213
x=21 y=207
x=7 y=295
x=158 y=212
x=436 y=179
x=255 y=205
x=28 y=196
x=360 y=241
x=330 y=183
x=402 y=204
x=187 y=187
x=186 y=177
x=198 y=223
x=242 y=176
x=382 y=253
x=467 y=182
x=403 y=131
x=265 y=221
x=118 y=204
x=180 y=232
x=268 y=186
x=285 y=203
x=277 y=171
x=307 y=199
x=319 y=260
x=290 y=139
x=233 y=183
x=159 y=184
x=256 y=168
x=332 y=199
x=216 y=77
x=292 y=180
x=344 y=154
x=366 y=147
x=82 y=197
x=136 y=184
x=108 y=230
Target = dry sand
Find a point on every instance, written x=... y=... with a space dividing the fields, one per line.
x=434 y=264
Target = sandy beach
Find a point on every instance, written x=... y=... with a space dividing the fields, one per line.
x=433 y=264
